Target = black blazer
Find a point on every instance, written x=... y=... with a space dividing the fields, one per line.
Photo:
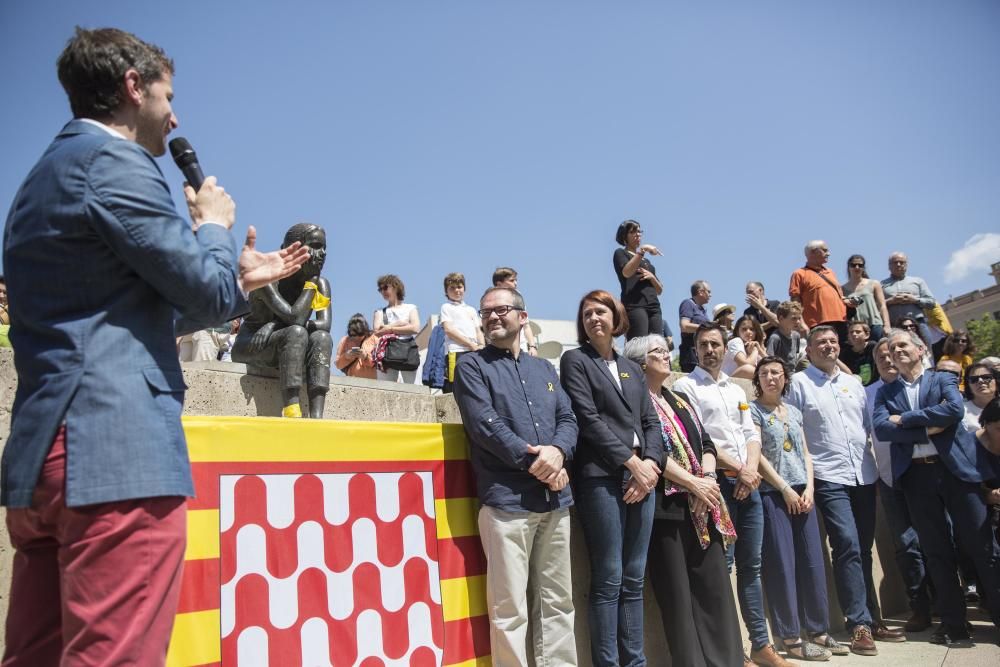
x=608 y=416
x=674 y=507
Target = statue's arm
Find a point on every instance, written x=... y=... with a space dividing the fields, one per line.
x=296 y=313
x=324 y=316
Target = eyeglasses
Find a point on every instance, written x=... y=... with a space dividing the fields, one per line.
x=657 y=352
x=501 y=311
x=856 y=265
x=908 y=327
x=981 y=379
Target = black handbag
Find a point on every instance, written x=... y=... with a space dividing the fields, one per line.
x=401 y=355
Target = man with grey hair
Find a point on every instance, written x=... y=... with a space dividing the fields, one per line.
x=692 y=315
x=906 y=296
x=522 y=432
x=836 y=426
x=760 y=307
x=817 y=288
x=940 y=467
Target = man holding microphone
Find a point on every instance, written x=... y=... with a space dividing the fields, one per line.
x=99 y=265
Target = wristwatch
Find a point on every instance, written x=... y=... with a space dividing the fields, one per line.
x=714 y=475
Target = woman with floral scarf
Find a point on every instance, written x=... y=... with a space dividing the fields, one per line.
x=691 y=528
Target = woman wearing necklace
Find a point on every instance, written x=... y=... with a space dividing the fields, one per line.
x=619 y=455
x=640 y=287
x=691 y=528
x=793 y=570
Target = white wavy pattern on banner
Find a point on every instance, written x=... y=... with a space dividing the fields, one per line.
x=281 y=489
x=251 y=550
x=252 y=647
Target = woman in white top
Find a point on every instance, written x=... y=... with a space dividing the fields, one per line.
x=745 y=349
x=401 y=319
x=980 y=389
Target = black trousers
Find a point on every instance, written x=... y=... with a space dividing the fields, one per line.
x=644 y=320
x=696 y=602
x=932 y=493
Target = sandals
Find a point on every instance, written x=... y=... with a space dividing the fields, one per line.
x=807 y=651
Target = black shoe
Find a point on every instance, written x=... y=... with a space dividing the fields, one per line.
x=919 y=622
x=945 y=634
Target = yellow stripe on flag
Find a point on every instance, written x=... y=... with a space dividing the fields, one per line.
x=455 y=517
x=481 y=661
x=256 y=439
x=463 y=597
x=203 y=534
x=195 y=639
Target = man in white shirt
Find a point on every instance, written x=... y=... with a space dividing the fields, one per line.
x=722 y=407
x=909 y=558
x=836 y=426
x=462 y=329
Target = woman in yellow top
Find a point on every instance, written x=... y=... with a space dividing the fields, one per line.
x=958 y=347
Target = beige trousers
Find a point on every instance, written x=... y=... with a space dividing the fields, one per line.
x=528 y=550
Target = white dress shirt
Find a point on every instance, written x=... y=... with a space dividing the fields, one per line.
x=723 y=409
x=836 y=425
x=912 y=391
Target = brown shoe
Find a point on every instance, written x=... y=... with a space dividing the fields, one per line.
x=862 y=642
x=882 y=633
x=768 y=657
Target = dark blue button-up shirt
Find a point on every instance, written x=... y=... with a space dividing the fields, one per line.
x=506 y=405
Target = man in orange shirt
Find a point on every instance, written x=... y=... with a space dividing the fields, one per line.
x=817 y=288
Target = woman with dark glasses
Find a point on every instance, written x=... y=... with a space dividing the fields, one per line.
x=866 y=297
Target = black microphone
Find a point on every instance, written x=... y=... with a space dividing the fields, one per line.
x=187 y=161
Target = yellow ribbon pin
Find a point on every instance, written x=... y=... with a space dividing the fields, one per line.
x=319 y=301
x=552 y=387
x=624 y=376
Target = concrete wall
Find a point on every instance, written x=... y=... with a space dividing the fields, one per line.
x=225 y=389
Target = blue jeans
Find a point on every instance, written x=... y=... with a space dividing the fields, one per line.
x=849 y=516
x=906 y=546
x=748 y=517
x=617 y=537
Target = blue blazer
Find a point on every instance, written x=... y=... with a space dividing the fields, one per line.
x=940 y=405
x=608 y=416
x=98 y=264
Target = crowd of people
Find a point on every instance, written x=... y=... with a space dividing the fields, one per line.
x=862 y=394
x=681 y=483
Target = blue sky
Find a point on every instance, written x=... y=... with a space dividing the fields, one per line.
x=430 y=137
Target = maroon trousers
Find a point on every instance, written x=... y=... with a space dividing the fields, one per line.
x=92 y=585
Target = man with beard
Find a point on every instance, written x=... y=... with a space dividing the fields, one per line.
x=99 y=266
x=522 y=433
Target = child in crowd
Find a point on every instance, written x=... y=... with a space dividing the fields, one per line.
x=785 y=342
x=505 y=276
x=461 y=325
x=858 y=354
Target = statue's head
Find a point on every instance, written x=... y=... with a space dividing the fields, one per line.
x=313 y=237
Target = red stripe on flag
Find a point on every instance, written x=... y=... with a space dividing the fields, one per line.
x=461 y=557
x=466 y=639
x=199 y=586
x=457 y=481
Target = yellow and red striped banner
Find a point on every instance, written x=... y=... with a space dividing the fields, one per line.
x=328 y=542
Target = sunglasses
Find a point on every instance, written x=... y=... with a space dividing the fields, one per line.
x=961 y=340
x=909 y=327
x=981 y=379
x=856 y=265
